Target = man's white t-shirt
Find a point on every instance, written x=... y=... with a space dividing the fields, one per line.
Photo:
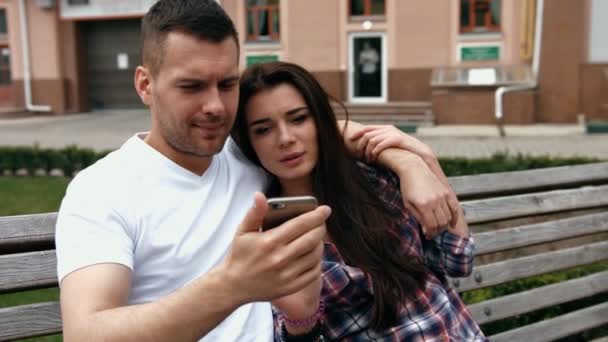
x=137 y=208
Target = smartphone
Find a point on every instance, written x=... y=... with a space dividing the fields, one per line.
x=281 y=209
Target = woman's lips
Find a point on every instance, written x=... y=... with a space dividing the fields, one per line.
x=293 y=159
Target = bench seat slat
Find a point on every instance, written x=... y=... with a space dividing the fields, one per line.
x=30 y=321
x=513 y=269
x=556 y=177
x=28 y=270
x=538 y=298
x=558 y=327
x=27 y=229
x=503 y=239
x=500 y=208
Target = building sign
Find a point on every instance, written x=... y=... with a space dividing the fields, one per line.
x=255 y=59
x=479 y=53
x=71 y=9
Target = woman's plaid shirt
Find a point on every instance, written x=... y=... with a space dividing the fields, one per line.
x=438 y=314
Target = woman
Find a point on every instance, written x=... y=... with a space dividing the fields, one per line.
x=382 y=279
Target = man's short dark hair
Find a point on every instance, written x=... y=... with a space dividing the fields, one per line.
x=205 y=19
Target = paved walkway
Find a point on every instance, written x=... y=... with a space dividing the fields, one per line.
x=108 y=129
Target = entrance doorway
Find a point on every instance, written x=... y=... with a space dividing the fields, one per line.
x=367 y=68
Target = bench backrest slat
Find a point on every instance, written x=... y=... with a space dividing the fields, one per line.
x=30 y=321
x=506 y=207
x=513 y=269
x=538 y=298
x=561 y=326
x=520 y=181
x=504 y=239
x=27 y=229
x=28 y=270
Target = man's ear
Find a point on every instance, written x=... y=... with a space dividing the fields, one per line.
x=143 y=84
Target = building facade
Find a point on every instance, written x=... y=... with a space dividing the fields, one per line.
x=81 y=54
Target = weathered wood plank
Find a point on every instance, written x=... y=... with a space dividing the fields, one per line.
x=29 y=321
x=558 y=327
x=527 y=235
x=504 y=271
x=510 y=182
x=28 y=270
x=601 y=339
x=542 y=297
x=25 y=229
x=492 y=209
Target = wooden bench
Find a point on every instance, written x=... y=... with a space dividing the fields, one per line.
x=525 y=223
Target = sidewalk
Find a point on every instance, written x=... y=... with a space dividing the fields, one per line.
x=109 y=129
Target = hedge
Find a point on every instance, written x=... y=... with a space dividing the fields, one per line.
x=68 y=160
x=75 y=158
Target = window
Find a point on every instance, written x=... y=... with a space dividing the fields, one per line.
x=366 y=7
x=77 y=2
x=263 y=20
x=3 y=26
x=5 y=66
x=479 y=16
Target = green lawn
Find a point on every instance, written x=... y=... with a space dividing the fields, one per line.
x=31 y=195
x=19 y=196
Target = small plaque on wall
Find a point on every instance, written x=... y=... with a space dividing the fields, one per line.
x=489 y=52
x=255 y=59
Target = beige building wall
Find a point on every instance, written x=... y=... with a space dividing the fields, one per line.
x=45 y=55
x=420 y=36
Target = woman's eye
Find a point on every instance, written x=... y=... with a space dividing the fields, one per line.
x=300 y=118
x=261 y=130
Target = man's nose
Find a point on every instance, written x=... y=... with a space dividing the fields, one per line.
x=213 y=103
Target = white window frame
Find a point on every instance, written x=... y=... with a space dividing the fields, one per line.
x=351 y=68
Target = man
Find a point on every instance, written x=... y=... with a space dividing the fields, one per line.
x=159 y=241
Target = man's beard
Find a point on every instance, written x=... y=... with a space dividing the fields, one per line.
x=181 y=143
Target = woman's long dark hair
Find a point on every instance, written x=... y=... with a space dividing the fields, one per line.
x=360 y=225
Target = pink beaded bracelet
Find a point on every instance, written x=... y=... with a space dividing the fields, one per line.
x=305 y=322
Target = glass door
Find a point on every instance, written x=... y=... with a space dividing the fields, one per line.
x=367 y=68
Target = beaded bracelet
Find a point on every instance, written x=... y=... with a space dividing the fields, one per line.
x=305 y=322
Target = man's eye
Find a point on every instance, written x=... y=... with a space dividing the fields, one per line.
x=190 y=86
x=227 y=85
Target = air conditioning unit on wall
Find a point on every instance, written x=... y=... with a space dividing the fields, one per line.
x=46 y=4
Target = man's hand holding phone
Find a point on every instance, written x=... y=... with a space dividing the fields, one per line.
x=266 y=265
x=304 y=303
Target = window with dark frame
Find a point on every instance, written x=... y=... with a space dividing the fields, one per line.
x=366 y=7
x=263 y=20
x=479 y=16
x=77 y=2
x=3 y=25
x=5 y=66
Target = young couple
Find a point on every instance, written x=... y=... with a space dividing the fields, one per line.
x=159 y=241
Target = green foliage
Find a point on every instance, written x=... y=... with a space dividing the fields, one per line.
x=68 y=159
x=74 y=158
x=503 y=162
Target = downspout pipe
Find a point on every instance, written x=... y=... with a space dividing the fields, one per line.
x=27 y=77
x=501 y=91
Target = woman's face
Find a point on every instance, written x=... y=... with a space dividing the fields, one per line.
x=283 y=133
